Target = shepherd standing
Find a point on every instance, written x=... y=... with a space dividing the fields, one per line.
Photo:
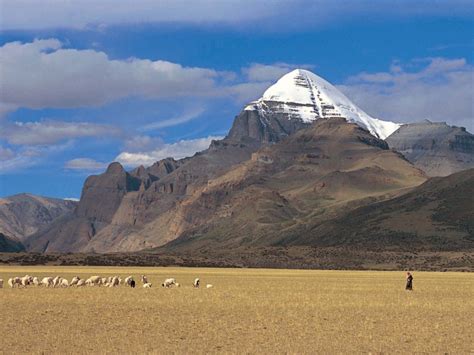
x=409 y=286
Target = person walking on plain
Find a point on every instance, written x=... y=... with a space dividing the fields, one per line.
x=409 y=285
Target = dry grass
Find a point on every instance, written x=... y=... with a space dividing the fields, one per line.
x=247 y=311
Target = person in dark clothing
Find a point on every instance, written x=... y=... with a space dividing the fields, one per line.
x=409 y=285
x=132 y=284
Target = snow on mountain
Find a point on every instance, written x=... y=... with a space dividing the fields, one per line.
x=303 y=95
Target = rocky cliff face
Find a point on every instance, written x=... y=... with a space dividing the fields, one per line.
x=435 y=147
x=24 y=214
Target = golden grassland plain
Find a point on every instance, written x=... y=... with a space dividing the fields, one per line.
x=247 y=311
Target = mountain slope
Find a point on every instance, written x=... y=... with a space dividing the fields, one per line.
x=116 y=203
x=24 y=214
x=315 y=174
x=435 y=147
x=437 y=216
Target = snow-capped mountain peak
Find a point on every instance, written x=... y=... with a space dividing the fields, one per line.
x=305 y=96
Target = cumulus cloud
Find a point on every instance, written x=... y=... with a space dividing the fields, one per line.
x=437 y=89
x=98 y=14
x=85 y=164
x=177 y=150
x=42 y=74
x=51 y=132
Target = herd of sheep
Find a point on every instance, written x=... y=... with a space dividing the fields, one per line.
x=111 y=281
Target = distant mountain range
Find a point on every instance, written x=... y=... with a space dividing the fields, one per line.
x=24 y=214
x=301 y=167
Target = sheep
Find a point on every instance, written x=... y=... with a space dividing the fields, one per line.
x=81 y=283
x=93 y=281
x=47 y=281
x=36 y=281
x=14 y=281
x=209 y=286
x=128 y=281
x=144 y=279
x=114 y=282
x=177 y=284
x=196 y=283
x=1 y=283
x=168 y=282
x=74 y=281
x=56 y=281
x=147 y=285
x=103 y=281
x=64 y=283
x=26 y=280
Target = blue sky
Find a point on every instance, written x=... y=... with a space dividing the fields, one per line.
x=83 y=85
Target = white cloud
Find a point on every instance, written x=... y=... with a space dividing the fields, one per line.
x=50 y=132
x=18 y=158
x=6 y=154
x=183 y=118
x=98 y=14
x=178 y=150
x=42 y=74
x=85 y=164
x=437 y=89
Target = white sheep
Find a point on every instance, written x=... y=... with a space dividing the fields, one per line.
x=63 y=283
x=47 y=281
x=14 y=281
x=147 y=285
x=36 y=281
x=196 y=282
x=74 y=281
x=168 y=282
x=93 y=281
x=26 y=280
x=144 y=279
x=81 y=283
x=56 y=281
x=114 y=282
x=209 y=286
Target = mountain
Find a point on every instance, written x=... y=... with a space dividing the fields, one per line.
x=117 y=204
x=300 y=156
x=274 y=199
x=24 y=214
x=435 y=147
x=296 y=100
x=437 y=215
